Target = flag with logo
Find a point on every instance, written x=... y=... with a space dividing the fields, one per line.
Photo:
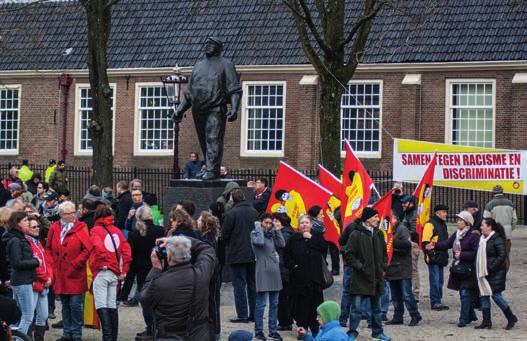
x=423 y=193
x=294 y=193
x=357 y=187
x=331 y=209
x=384 y=207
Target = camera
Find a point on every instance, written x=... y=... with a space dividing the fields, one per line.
x=161 y=252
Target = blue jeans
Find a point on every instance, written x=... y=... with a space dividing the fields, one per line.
x=385 y=303
x=401 y=291
x=345 y=300
x=243 y=282
x=357 y=302
x=467 y=310
x=261 y=300
x=436 y=279
x=23 y=295
x=497 y=298
x=72 y=315
x=40 y=306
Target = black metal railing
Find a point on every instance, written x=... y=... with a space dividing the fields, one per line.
x=156 y=180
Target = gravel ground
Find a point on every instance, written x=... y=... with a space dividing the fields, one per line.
x=435 y=325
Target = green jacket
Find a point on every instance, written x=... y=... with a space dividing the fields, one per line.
x=25 y=173
x=224 y=197
x=58 y=180
x=366 y=254
x=156 y=214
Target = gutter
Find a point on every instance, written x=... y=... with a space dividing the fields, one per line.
x=286 y=68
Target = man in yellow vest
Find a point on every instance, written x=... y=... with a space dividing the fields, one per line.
x=25 y=173
x=51 y=167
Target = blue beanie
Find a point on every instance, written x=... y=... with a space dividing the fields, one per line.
x=240 y=335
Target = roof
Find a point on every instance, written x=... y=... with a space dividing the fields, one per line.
x=163 y=33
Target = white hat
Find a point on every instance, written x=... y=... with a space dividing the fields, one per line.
x=466 y=216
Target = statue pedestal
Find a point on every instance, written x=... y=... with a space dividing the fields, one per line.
x=201 y=192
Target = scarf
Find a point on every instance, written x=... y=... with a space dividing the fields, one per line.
x=457 y=243
x=65 y=228
x=50 y=212
x=481 y=266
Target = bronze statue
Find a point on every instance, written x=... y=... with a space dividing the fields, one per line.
x=213 y=84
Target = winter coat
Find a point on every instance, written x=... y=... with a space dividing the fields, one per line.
x=88 y=219
x=69 y=257
x=4 y=265
x=48 y=172
x=303 y=257
x=44 y=271
x=124 y=203
x=25 y=173
x=502 y=210
x=31 y=188
x=192 y=168
x=264 y=246
x=261 y=200
x=58 y=180
x=129 y=224
x=438 y=232
x=330 y=331
x=20 y=256
x=469 y=249
x=366 y=253
x=496 y=256
x=103 y=253
x=397 y=206
x=142 y=246
x=287 y=232
x=401 y=265
x=410 y=220
x=223 y=199
x=169 y=294
x=345 y=235
x=236 y=232
x=185 y=230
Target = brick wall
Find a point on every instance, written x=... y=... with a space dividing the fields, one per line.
x=409 y=111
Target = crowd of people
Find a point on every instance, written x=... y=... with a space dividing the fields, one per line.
x=106 y=246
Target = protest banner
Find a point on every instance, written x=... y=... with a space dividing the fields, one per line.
x=461 y=166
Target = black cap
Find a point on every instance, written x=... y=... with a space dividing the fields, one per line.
x=51 y=196
x=440 y=207
x=407 y=198
x=215 y=40
x=52 y=161
x=470 y=204
x=367 y=213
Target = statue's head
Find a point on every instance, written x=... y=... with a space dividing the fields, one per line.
x=213 y=47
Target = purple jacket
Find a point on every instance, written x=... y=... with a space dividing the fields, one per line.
x=469 y=248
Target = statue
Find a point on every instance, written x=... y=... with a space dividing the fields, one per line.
x=213 y=84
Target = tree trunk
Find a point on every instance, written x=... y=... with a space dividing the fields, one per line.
x=330 y=96
x=99 y=25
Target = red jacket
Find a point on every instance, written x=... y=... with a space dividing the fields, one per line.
x=103 y=254
x=68 y=259
x=44 y=271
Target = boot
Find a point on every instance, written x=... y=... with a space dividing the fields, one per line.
x=511 y=319
x=106 y=323
x=39 y=333
x=486 y=323
x=115 y=323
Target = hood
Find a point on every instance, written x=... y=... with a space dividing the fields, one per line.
x=10 y=234
x=229 y=187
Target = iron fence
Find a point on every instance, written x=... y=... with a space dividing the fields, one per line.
x=156 y=180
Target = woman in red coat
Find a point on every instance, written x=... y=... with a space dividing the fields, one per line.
x=68 y=247
x=109 y=261
x=42 y=282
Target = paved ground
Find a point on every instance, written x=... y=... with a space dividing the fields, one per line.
x=435 y=325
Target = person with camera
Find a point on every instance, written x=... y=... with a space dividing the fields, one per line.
x=177 y=288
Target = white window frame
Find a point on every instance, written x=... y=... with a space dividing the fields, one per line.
x=19 y=88
x=77 y=151
x=448 y=104
x=367 y=155
x=137 y=124
x=244 y=121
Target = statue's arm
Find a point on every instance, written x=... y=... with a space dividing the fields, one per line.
x=180 y=110
x=235 y=105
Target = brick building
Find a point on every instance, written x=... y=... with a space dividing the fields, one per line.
x=456 y=75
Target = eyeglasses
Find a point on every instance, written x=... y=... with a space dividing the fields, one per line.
x=73 y=212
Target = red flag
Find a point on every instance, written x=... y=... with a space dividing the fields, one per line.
x=294 y=193
x=357 y=187
x=384 y=207
x=423 y=193
x=333 y=185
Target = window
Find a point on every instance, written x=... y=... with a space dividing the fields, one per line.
x=155 y=134
x=9 y=119
x=263 y=119
x=360 y=117
x=470 y=116
x=83 y=138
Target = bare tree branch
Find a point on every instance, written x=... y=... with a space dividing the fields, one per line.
x=111 y=3
x=322 y=13
x=363 y=19
x=294 y=10
x=313 y=28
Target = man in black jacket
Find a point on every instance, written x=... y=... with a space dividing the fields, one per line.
x=124 y=203
x=262 y=195
x=236 y=231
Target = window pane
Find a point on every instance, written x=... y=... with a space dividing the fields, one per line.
x=472 y=114
x=264 y=115
x=360 y=117
x=156 y=131
x=85 y=115
x=8 y=119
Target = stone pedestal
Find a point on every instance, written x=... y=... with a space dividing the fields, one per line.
x=201 y=192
